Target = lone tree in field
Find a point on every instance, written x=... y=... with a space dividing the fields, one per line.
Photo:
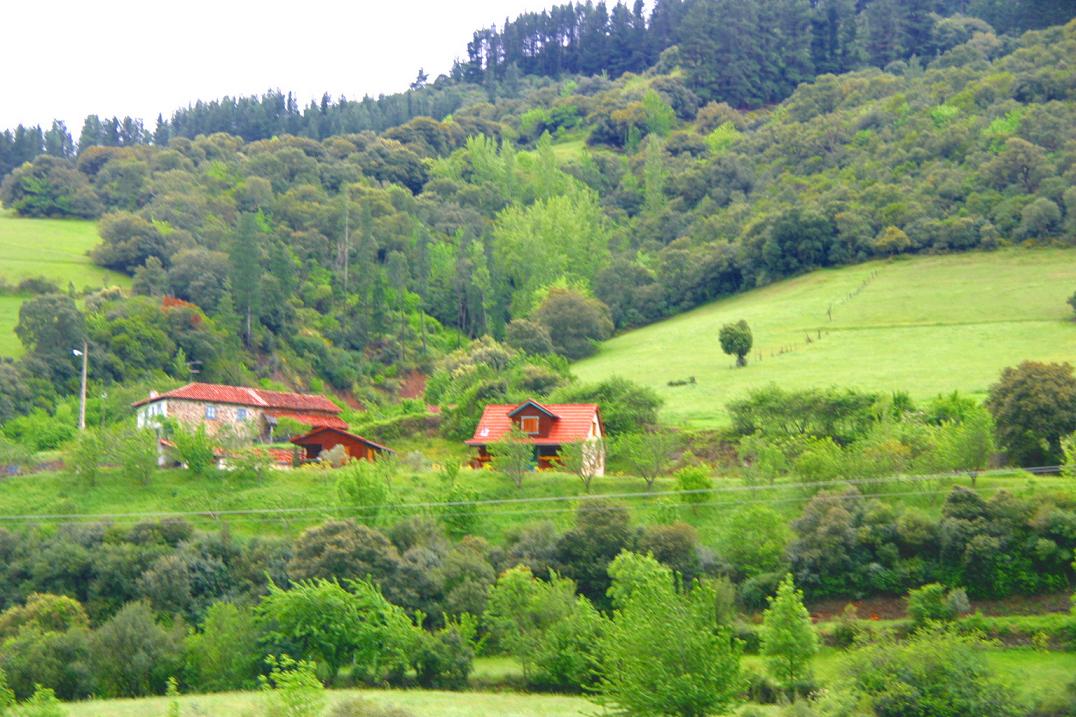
x=789 y=640
x=736 y=341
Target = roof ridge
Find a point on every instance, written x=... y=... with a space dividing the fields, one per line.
x=255 y=395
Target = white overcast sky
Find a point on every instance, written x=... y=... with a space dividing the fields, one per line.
x=66 y=59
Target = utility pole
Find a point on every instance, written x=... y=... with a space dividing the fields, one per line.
x=85 y=354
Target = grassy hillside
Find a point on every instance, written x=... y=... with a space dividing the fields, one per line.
x=924 y=325
x=53 y=248
x=289 y=501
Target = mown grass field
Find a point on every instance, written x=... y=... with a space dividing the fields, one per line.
x=53 y=248
x=925 y=325
x=302 y=498
x=423 y=703
x=1035 y=675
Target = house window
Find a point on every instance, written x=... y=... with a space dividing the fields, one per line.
x=211 y=413
x=241 y=414
x=529 y=424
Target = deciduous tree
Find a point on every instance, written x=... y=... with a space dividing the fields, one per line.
x=788 y=638
x=736 y=340
x=1034 y=404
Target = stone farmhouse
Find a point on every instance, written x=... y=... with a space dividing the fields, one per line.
x=251 y=412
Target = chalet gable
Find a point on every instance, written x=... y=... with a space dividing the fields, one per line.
x=532 y=418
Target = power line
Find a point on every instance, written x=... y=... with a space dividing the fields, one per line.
x=261 y=519
x=247 y=514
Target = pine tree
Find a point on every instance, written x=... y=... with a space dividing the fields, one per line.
x=789 y=640
x=720 y=49
x=917 y=31
x=92 y=133
x=58 y=141
x=794 y=31
x=884 y=20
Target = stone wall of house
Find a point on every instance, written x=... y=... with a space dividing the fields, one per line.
x=192 y=413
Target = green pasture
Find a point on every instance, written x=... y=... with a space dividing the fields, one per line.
x=53 y=248
x=925 y=325
x=423 y=703
x=56 y=249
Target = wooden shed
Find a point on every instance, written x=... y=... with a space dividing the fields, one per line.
x=326 y=438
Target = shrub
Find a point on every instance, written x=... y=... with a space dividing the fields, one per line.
x=38 y=431
x=293 y=688
x=135 y=449
x=443 y=659
x=696 y=483
x=363 y=488
x=44 y=612
x=460 y=517
x=846 y=629
x=932 y=603
x=133 y=655
x=754 y=540
x=224 y=654
x=935 y=669
x=84 y=455
x=195 y=449
x=42 y=703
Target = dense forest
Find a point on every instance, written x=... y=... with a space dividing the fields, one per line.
x=583 y=206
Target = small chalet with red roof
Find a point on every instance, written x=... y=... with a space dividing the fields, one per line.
x=254 y=409
x=547 y=427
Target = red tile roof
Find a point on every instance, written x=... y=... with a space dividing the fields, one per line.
x=571 y=425
x=280 y=456
x=242 y=396
x=314 y=420
x=311 y=437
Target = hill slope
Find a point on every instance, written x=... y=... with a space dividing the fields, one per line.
x=925 y=325
x=55 y=249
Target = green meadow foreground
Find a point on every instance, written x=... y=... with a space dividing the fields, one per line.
x=925 y=325
x=55 y=249
x=424 y=703
x=1030 y=672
